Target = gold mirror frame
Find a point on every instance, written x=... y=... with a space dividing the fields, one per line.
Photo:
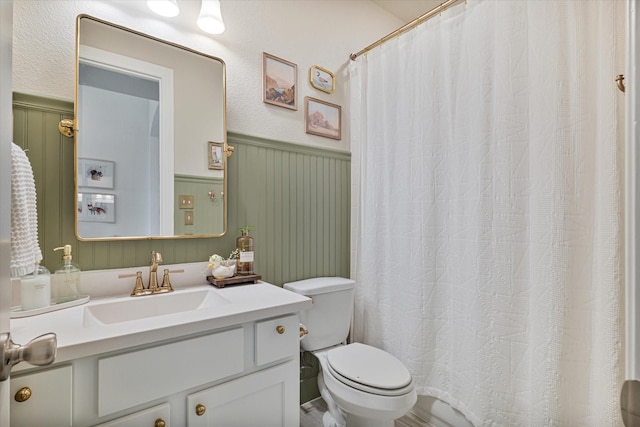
x=73 y=128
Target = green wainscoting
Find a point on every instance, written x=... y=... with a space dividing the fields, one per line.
x=296 y=197
x=206 y=210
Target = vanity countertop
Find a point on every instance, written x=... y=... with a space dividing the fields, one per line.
x=79 y=334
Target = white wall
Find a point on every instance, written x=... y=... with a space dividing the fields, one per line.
x=305 y=32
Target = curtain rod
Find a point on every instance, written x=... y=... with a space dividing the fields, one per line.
x=419 y=20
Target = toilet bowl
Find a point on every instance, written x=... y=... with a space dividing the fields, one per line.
x=362 y=385
x=369 y=386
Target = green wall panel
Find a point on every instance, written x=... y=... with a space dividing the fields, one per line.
x=205 y=210
x=296 y=197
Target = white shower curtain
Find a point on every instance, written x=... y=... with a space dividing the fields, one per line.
x=487 y=208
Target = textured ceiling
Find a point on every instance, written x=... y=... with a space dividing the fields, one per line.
x=407 y=10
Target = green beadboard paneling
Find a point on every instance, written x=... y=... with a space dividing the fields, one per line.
x=206 y=211
x=296 y=197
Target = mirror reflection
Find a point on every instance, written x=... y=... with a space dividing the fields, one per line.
x=151 y=152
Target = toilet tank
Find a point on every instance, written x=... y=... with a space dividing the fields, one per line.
x=329 y=319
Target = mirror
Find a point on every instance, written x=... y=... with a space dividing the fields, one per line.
x=150 y=137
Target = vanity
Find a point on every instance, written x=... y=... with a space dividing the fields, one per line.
x=198 y=356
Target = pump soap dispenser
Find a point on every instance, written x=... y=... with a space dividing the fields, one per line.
x=65 y=283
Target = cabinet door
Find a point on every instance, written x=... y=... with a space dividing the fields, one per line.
x=268 y=398
x=158 y=416
x=42 y=398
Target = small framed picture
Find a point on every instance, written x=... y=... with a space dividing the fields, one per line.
x=322 y=79
x=322 y=118
x=95 y=173
x=216 y=155
x=279 y=81
x=96 y=207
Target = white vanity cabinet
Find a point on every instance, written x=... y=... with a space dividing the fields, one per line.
x=267 y=398
x=241 y=375
x=158 y=416
x=42 y=398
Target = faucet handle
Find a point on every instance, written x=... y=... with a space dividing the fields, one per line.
x=139 y=289
x=166 y=283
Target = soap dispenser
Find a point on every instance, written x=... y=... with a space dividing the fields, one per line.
x=65 y=282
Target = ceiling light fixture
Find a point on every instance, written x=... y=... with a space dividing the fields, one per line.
x=168 y=8
x=210 y=19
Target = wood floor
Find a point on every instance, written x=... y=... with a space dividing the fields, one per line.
x=311 y=415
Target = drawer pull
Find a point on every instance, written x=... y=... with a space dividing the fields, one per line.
x=200 y=409
x=280 y=329
x=23 y=394
x=160 y=423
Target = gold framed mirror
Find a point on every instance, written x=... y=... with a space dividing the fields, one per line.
x=150 y=134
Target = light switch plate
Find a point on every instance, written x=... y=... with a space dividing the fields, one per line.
x=188 y=217
x=186 y=202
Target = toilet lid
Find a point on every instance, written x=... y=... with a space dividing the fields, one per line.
x=369 y=369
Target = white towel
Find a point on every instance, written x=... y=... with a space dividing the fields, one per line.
x=25 y=250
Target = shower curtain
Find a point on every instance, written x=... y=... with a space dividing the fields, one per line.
x=487 y=208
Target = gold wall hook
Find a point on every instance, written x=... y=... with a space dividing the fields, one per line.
x=65 y=127
x=620 y=81
x=229 y=150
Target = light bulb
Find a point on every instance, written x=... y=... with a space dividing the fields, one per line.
x=168 y=8
x=210 y=18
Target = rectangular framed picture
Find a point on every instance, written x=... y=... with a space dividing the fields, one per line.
x=322 y=118
x=216 y=155
x=95 y=173
x=322 y=79
x=279 y=81
x=94 y=207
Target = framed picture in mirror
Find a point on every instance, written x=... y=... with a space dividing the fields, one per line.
x=96 y=207
x=216 y=155
x=95 y=173
x=279 y=81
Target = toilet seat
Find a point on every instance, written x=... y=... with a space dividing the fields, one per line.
x=369 y=369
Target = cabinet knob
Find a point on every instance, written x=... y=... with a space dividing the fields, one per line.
x=23 y=394
x=160 y=423
x=200 y=409
x=280 y=329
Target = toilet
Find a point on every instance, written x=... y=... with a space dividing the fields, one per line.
x=362 y=385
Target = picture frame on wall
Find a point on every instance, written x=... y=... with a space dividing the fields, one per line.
x=93 y=207
x=216 y=155
x=96 y=173
x=322 y=79
x=322 y=118
x=279 y=82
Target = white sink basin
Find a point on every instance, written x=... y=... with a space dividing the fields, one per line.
x=136 y=308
